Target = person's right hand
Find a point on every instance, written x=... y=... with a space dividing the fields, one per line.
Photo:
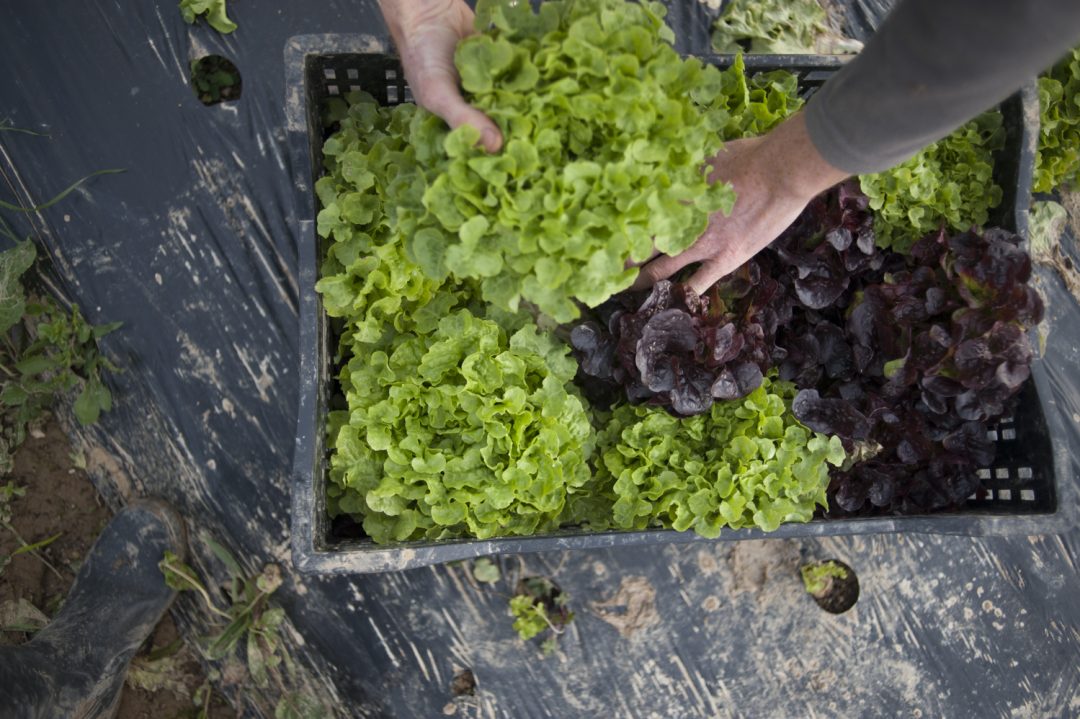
x=774 y=177
x=426 y=33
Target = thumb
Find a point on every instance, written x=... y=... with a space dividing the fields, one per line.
x=665 y=266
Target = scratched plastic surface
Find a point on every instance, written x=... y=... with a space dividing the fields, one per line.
x=193 y=249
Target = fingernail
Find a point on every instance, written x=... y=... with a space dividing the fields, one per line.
x=491 y=139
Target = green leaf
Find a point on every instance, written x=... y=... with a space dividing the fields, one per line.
x=224 y=555
x=102 y=330
x=1057 y=162
x=13 y=395
x=61 y=195
x=529 y=616
x=486 y=571
x=257 y=662
x=711 y=479
x=178 y=575
x=14 y=263
x=224 y=644
x=214 y=10
x=769 y=26
x=817 y=577
x=27 y=548
x=94 y=399
x=949 y=182
x=36 y=364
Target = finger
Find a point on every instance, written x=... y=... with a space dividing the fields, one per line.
x=630 y=263
x=439 y=94
x=664 y=267
x=708 y=274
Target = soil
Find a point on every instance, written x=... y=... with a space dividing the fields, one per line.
x=631 y=609
x=60 y=499
x=464 y=683
x=754 y=563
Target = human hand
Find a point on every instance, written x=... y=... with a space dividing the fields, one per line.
x=426 y=33
x=774 y=177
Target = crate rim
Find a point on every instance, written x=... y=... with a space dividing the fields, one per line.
x=310 y=557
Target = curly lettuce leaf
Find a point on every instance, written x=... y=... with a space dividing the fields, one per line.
x=742 y=464
x=606 y=135
x=949 y=182
x=1058 y=160
x=463 y=431
x=214 y=10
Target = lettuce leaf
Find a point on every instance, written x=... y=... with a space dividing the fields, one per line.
x=1058 y=160
x=606 y=135
x=950 y=183
x=743 y=463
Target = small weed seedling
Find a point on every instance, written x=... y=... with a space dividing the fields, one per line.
x=247 y=622
x=539 y=606
x=46 y=350
x=215 y=79
x=8 y=492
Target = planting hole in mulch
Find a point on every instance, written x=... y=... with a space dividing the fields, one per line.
x=546 y=593
x=832 y=584
x=464 y=683
x=215 y=79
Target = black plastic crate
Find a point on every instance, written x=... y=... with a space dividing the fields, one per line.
x=1021 y=494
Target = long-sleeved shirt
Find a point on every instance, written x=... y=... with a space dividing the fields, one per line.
x=931 y=66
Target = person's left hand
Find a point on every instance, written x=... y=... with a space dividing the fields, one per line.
x=426 y=33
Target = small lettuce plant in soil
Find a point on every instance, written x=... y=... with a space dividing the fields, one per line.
x=540 y=609
x=850 y=367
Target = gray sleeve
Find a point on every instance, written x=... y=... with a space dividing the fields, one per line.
x=933 y=65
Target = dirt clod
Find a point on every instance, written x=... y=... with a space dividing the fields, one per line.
x=754 y=563
x=631 y=609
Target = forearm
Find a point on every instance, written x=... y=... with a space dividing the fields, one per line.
x=933 y=65
x=805 y=178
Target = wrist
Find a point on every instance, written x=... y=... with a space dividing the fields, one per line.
x=797 y=170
